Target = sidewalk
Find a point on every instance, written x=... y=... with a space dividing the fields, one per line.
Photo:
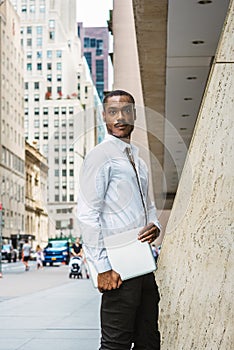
x=63 y=315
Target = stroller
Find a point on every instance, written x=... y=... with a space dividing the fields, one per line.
x=75 y=266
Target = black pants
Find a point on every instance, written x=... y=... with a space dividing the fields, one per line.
x=130 y=315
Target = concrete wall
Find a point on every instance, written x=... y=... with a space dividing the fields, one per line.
x=196 y=266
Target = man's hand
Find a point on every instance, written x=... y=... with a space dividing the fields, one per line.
x=149 y=233
x=108 y=280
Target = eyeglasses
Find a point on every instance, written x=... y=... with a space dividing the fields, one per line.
x=126 y=111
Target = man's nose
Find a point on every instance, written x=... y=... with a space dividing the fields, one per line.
x=120 y=114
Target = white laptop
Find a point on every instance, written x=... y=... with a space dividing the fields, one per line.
x=128 y=256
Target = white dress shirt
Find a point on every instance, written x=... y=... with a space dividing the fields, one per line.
x=109 y=199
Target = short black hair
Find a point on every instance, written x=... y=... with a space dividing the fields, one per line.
x=118 y=93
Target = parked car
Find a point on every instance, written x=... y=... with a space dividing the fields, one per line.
x=57 y=251
x=9 y=253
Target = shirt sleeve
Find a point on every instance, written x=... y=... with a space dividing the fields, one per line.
x=94 y=180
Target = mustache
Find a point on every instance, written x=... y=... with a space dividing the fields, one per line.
x=122 y=122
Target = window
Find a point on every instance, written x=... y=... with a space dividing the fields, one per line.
x=64 y=148
x=71 y=197
x=51 y=35
x=36 y=85
x=56 y=186
x=99 y=70
x=71 y=136
x=45 y=110
x=26 y=85
x=36 y=98
x=59 y=65
x=93 y=42
x=64 y=198
x=45 y=136
x=45 y=123
x=49 y=77
x=56 y=135
x=36 y=111
x=86 y=42
x=64 y=123
x=71 y=185
x=45 y=149
x=39 y=30
x=56 y=110
x=39 y=41
x=39 y=54
x=49 y=54
x=29 y=42
x=26 y=111
x=64 y=110
x=36 y=123
x=51 y=23
x=25 y=98
x=64 y=136
x=24 y=8
x=29 y=66
x=49 y=66
x=71 y=110
x=42 y=8
x=56 y=172
x=64 y=185
x=32 y=8
x=88 y=56
x=39 y=66
x=64 y=172
x=36 y=135
x=29 y=30
x=56 y=198
x=71 y=172
x=56 y=122
x=29 y=55
x=56 y=148
x=64 y=160
x=59 y=77
x=71 y=123
x=58 y=53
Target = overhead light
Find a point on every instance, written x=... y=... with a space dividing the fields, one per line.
x=204 y=2
x=198 y=42
x=185 y=115
x=188 y=98
x=191 y=78
x=183 y=129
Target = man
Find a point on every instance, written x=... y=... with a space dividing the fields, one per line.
x=114 y=199
x=26 y=250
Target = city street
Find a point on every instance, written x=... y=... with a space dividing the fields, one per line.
x=44 y=309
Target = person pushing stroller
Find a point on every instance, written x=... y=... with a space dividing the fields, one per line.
x=77 y=261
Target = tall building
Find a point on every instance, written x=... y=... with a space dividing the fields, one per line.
x=59 y=98
x=95 y=48
x=12 y=179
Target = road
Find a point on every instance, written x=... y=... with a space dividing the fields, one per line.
x=44 y=309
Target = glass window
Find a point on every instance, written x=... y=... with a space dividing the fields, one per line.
x=86 y=42
x=64 y=198
x=64 y=110
x=64 y=136
x=39 y=66
x=36 y=111
x=56 y=110
x=49 y=66
x=29 y=30
x=26 y=98
x=32 y=8
x=64 y=172
x=39 y=30
x=29 y=66
x=71 y=135
x=36 y=97
x=45 y=135
x=56 y=135
x=59 y=77
x=39 y=54
x=39 y=41
x=71 y=172
x=59 y=65
x=93 y=42
x=36 y=123
x=51 y=23
x=49 y=77
x=42 y=8
x=29 y=42
x=36 y=135
x=64 y=122
x=36 y=85
x=64 y=160
x=26 y=85
x=56 y=160
x=26 y=111
x=24 y=8
x=45 y=110
x=71 y=110
x=45 y=123
x=64 y=148
x=56 y=122
x=88 y=56
x=49 y=53
x=52 y=35
x=29 y=55
x=56 y=172
x=71 y=197
x=59 y=53
x=56 y=148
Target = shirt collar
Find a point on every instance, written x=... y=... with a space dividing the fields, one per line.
x=121 y=144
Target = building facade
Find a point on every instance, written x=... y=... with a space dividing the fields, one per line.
x=36 y=216
x=95 y=48
x=12 y=178
x=59 y=101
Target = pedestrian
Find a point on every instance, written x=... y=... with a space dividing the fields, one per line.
x=114 y=198
x=76 y=250
x=39 y=257
x=26 y=250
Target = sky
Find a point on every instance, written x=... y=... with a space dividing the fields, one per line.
x=93 y=13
